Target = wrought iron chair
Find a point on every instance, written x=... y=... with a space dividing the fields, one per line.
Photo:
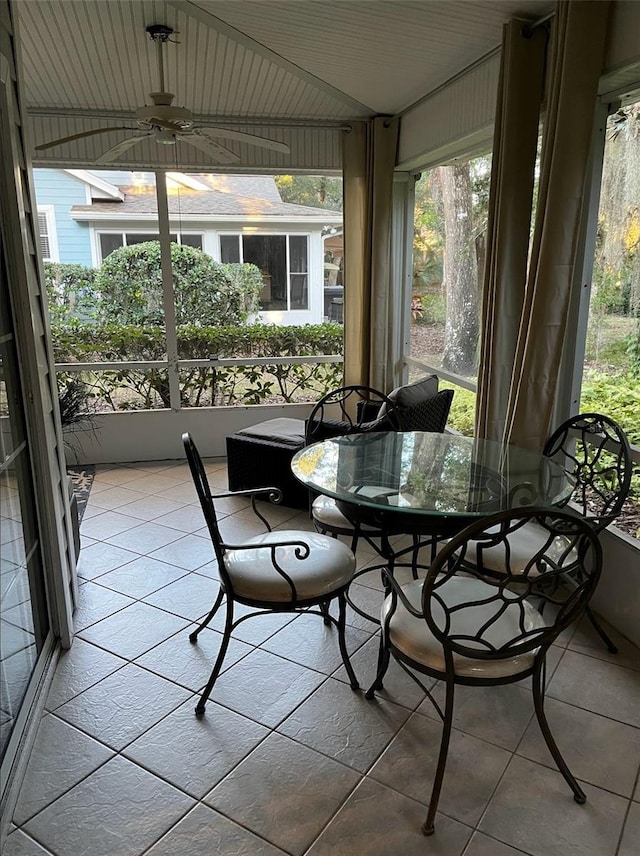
x=346 y=410
x=594 y=452
x=283 y=571
x=466 y=630
x=414 y=407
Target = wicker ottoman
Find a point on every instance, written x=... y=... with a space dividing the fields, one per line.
x=260 y=456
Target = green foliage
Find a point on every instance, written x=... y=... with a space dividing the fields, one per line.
x=129 y=284
x=462 y=416
x=317 y=191
x=633 y=351
x=618 y=396
x=429 y=308
x=126 y=389
x=71 y=292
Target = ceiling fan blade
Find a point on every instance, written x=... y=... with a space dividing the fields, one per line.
x=210 y=147
x=79 y=136
x=251 y=139
x=121 y=147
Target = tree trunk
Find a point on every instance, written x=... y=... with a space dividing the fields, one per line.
x=460 y=271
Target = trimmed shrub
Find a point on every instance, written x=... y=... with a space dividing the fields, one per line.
x=71 y=293
x=129 y=285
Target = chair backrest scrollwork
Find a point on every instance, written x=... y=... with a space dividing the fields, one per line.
x=595 y=453
x=541 y=597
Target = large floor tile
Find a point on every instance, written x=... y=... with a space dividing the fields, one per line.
x=153 y=483
x=143 y=537
x=113 y=498
x=311 y=643
x=134 y=630
x=99 y=558
x=376 y=821
x=284 y=792
x=482 y=845
x=265 y=687
x=123 y=705
x=184 y=493
x=120 y=810
x=398 y=686
x=96 y=603
x=19 y=844
x=151 y=508
x=498 y=715
x=205 y=831
x=586 y=641
x=472 y=772
x=344 y=725
x=141 y=577
x=191 y=597
x=108 y=525
x=64 y=757
x=189 y=664
x=189 y=552
x=597 y=749
x=533 y=810
x=195 y=753
x=79 y=668
x=184 y=518
x=598 y=686
x=631 y=838
x=255 y=630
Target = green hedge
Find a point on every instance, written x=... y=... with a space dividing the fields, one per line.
x=128 y=389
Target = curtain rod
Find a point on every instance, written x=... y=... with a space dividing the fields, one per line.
x=484 y=58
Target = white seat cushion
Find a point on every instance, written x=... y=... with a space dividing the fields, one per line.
x=329 y=566
x=523 y=545
x=412 y=636
x=328 y=516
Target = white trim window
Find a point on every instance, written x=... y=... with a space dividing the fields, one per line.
x=283 y=261
x=47 y=233
x=110 y=241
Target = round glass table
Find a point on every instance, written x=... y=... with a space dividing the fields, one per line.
x=427 y=483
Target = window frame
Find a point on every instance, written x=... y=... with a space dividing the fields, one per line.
x=240 y=235
x=97 y=233
x=49 y=214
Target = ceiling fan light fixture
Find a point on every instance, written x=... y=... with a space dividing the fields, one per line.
x=167 y=138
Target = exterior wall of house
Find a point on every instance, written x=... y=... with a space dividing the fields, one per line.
x=77 y=238
x=60 y=190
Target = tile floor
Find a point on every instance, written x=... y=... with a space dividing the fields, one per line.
x=288 y=760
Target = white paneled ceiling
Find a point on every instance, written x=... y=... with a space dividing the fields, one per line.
x=267 y=63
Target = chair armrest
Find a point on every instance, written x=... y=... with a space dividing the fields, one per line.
x=397 y=593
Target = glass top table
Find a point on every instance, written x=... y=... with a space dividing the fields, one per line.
x=419 y=482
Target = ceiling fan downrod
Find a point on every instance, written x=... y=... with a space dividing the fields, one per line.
x=160 y=33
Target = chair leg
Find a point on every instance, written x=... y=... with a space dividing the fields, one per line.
x=226 y=637
x=428 y=828
x=193 y=636
x=538 y=701
x=342 y=615
x=611 y=647
x=324 y=609
x=383 y=665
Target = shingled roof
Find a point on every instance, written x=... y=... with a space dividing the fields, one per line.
x=231 y=197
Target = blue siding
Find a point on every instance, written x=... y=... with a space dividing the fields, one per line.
x=58 y=188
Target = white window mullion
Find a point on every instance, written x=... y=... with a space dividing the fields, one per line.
x=288 y=260
x=168 y=299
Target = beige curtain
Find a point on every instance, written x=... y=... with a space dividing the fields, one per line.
x=369 y=156
x=578 y=41
x=512 y=176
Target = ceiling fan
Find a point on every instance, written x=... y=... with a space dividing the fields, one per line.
x=168 y=124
